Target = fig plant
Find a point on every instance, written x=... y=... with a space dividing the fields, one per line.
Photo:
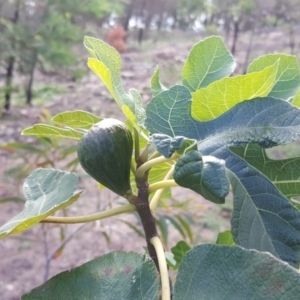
x=208 y=134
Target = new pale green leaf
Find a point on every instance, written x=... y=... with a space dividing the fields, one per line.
x=287 y=82
x=296 y=100
x=52 y=131
x=103 y=52
x=225 y=238
x=156 y=86
x=208 y=61
x=76 y=119
x=214 y=100
x=106 y=64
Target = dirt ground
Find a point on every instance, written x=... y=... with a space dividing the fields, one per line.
x=23 y=258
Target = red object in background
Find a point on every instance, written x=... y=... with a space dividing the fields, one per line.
x=116 y=37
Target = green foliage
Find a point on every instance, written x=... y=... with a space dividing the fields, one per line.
x=225 y=238
x=45 y=191
x=205 y=175
x=117 y=275
x=284 y=173
x=208 y=61
x=179 y=251
x=43 y=34
x=46 y=152
x=212 y=144
x=76 y=119
x=224 y=272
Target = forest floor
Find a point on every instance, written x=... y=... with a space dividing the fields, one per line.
x=23 y=257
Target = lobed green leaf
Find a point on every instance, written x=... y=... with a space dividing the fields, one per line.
x=179 y=251
x=225 y=238
x=211 y=272
x=287 y=82
x=206 y=175
x=263 y=218
x=208 y=61
x=156 y=86
x=167 y=145
x=45 y=191
x=285 y=174
x=296 y=100
x=106 y=64
x=76 y=119
x=214 y=100
x=117 y=275
x=50 y=131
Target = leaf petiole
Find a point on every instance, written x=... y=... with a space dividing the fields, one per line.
x=154 y=155
x=136 y=144
x=162 y=185
x=140 y=172
x=93 y=217
x=158 y=193
x=163 y=269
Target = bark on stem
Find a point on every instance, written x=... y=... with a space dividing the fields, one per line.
x=141 y=202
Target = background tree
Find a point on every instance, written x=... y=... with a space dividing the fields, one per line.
x=40 y=33
x=8 y=44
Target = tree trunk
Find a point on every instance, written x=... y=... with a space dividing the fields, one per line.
x=31 y=75
x=235 y=36
x=140 y=35
x=8 y=82
x=11 y=64
x=175 y=20
x=292 y=37
x=128 y=15
x=227 y=29
x=249 y=49
x=160 y=21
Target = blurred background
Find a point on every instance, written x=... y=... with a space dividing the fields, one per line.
x=43 y=72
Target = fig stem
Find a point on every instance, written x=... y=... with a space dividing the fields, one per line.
x=140 y=172
x=136 y=144
x=162 y=185
x=154 y=155
x=143 y=156
x=158 y=193
x=163 y=268
x=93 y=217
x=132 y=167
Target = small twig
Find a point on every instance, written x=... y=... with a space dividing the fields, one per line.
x=63 y=243
x=46 y=249
x=66 y=240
